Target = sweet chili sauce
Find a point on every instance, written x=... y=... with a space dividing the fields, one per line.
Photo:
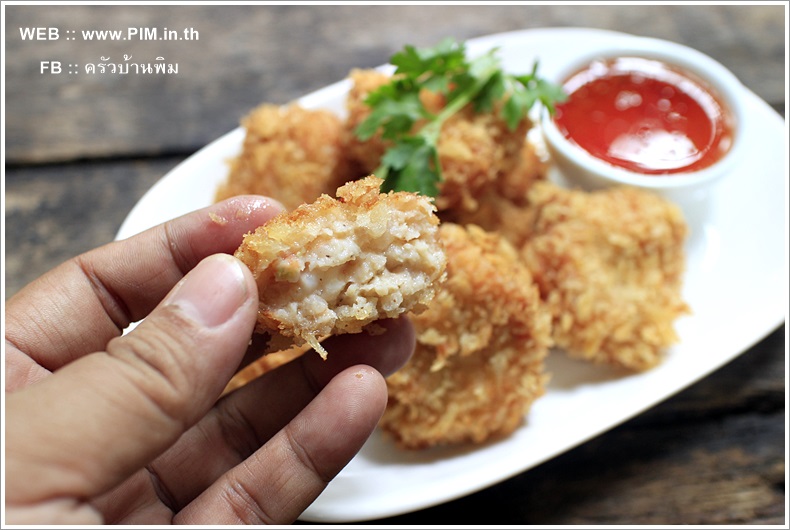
x=644 y=116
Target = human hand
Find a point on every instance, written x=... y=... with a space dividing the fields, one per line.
x=109 y=428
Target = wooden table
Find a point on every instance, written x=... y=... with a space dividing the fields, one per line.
x=81 y=150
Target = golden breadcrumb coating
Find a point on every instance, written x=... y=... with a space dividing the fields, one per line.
x=609 y=265
x=368 y=153
x=495 y=213
x=481 y=344
x=503 y=209
x=336 y=265
x=475 y=149
x=529 y=167
x=290 y=154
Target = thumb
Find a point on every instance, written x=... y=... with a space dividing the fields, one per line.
x=99 y=419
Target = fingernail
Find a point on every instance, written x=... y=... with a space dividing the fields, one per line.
x=212 y=292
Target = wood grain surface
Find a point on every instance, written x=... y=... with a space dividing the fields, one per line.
x=81 y=150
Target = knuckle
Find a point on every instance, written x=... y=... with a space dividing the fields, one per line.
x=178 y=248
x=243 y=504
x=238 y=431
x=156 y=359
x=303 y=457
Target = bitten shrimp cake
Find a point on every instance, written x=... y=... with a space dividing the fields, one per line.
x=336 y=265
x=481 y=344
x=610 y=266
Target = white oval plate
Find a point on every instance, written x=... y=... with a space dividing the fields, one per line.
x=736 y=285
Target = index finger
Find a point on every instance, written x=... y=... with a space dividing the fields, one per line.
x=76 y=308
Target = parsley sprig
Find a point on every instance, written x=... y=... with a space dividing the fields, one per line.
x=412 y=162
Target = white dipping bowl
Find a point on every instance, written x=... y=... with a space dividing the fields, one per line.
x=580 y=169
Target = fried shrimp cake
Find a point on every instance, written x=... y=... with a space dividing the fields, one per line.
x=609 y=265
x=290 y=154
x=476 y=149
x=336 y=265
x=481 y=343
x=503 y=209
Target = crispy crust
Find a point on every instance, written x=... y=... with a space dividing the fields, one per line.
x=289 y=153
x=481 y=344
x=609 y=265
x=368 y=153
x=503 y=209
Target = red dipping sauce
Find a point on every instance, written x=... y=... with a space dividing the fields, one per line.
x=645 y=116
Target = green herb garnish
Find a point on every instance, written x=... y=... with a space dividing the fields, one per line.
x=412 y=163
